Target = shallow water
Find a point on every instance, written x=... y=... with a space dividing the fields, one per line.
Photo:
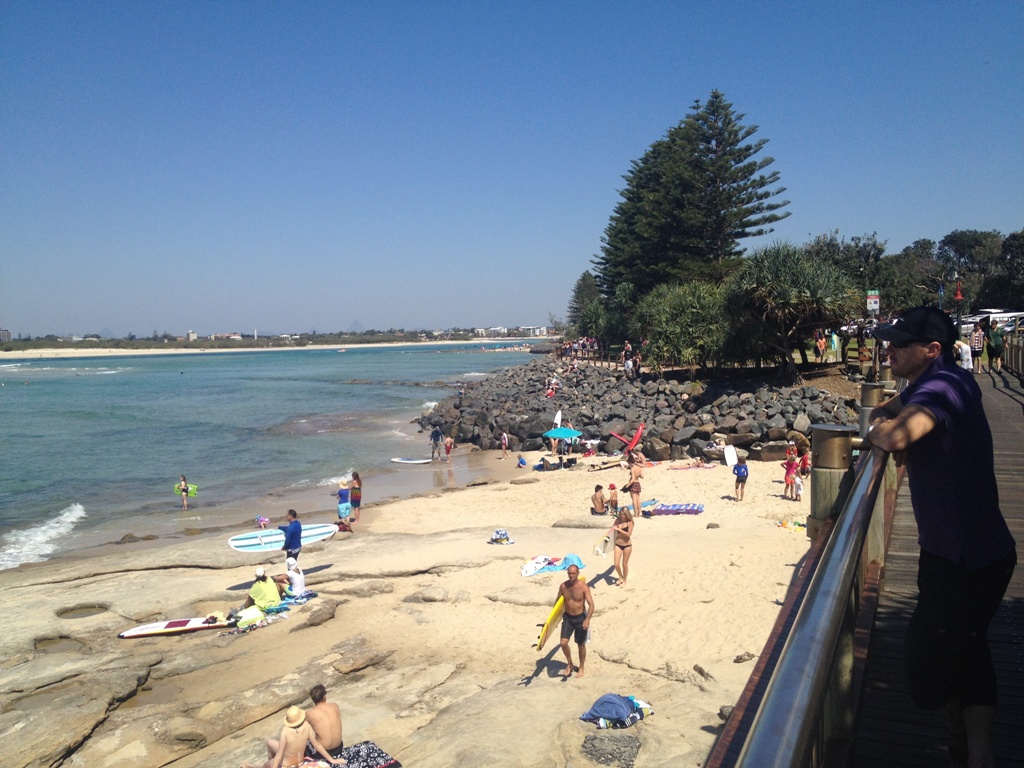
x=92 y=447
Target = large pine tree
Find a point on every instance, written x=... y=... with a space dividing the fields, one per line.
x=689 y=201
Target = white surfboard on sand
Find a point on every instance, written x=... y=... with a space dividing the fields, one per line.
x=558 y=418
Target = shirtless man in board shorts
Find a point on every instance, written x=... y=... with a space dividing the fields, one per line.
x=325 y=717
x=579 y=608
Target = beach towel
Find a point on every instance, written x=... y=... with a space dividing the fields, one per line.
x=564 y=564
x=366 y=754
x=545 y=564
x=535 y=564
x=697 y=466
x=675 y=509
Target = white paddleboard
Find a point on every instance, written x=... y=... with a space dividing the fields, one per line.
x=272 y=540
x=730 y=455
x=411 y=461
x=174 y=627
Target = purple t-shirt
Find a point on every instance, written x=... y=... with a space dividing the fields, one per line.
x=952 y=472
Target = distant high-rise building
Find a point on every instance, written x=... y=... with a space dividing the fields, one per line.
x=5 y=335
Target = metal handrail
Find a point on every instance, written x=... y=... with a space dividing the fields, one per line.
x=785 y=728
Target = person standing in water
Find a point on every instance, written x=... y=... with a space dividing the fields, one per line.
x=182 y=488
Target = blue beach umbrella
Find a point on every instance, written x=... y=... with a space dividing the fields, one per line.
x=562 y=433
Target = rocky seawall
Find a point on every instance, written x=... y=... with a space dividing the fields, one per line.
x=681 y=417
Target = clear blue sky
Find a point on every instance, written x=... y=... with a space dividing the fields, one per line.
x=224 y=166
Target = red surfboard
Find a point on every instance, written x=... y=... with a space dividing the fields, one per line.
x=630 y=444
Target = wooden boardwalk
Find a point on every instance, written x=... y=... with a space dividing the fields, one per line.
x=891 y=731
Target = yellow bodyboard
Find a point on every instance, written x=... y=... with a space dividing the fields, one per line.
x=553 y=618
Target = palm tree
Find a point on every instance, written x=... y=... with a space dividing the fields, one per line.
x=777 y=299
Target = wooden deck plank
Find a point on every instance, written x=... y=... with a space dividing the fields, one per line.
x=891 y=731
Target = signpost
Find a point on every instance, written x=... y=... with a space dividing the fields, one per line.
x=873 y=300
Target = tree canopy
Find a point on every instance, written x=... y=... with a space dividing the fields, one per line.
x=689 y=201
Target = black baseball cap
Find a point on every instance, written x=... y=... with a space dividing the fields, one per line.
x=923 y=324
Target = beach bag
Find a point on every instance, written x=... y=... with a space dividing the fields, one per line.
x=249 y=617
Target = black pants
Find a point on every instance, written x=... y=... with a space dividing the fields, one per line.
x=946 y=647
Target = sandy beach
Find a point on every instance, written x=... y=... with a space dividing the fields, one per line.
x=422 y=630
x=79 y=350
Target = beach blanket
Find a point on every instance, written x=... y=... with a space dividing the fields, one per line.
x=545 y=564
x=366 y=754
x=615 y=711
x=697 y=466
x=675 y=509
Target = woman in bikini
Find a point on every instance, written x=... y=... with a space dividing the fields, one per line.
x=623 y=529
x=636 y=472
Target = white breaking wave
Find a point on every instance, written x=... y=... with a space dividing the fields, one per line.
x=35 y=543
x=427 y=408
x=474 y=373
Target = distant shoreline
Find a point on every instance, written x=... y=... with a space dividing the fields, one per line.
x=64 y=353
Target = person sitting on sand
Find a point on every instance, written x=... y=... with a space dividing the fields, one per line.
x=579 y=609
x=288 y=750
x=598 y=505
x=263 y=593
x=623 y=532
x=292 y=583
x=613 y=499
x=325 y=717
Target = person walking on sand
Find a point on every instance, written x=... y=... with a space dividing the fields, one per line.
x=449 y=444
x=292 y=535
x=598 y=505
x=325 y=717
x=938 y=427
x=182 y=488
x=579 y=609
x=289 y=749
x=791 y=465
x=355 y=496
x=636 y=473
x=742 y=472
x=623 y=532
x=504 y=444
x=613 y=499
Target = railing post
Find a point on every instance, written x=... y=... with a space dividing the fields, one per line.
x=831 y=479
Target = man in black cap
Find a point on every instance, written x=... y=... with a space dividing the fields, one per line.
x=938 y=425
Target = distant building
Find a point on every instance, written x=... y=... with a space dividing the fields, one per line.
x=534 y=330
x=192 y=336
x=5 y=335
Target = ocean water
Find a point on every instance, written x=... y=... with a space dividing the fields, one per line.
x=92 y=446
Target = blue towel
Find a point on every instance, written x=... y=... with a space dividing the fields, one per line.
x=564 y=564
x=611 y=706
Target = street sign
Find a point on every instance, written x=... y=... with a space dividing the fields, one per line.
x=873 y=300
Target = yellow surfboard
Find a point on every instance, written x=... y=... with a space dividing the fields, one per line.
x=553 y=618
